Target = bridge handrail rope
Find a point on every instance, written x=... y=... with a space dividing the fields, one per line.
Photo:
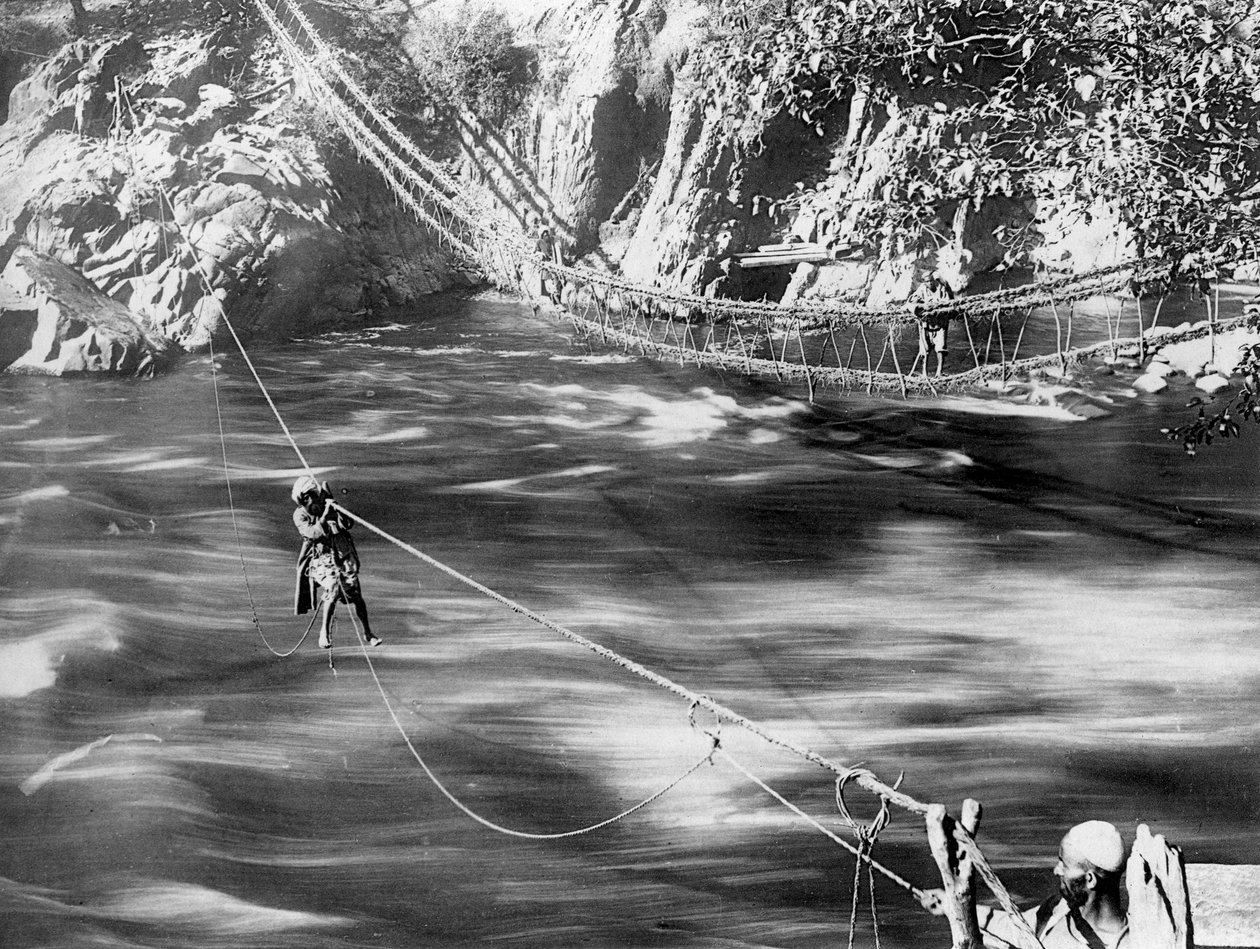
x=890 y=381
x=368 y=143
x=403 y=141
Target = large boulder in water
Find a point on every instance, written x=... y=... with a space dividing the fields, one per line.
x=53 y=321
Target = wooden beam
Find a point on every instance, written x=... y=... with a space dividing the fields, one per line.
x=1159 y=909
x=956 y=872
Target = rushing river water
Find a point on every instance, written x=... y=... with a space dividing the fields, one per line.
x=1055 y=617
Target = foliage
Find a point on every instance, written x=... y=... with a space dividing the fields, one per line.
x=1225 y=422
x=470 y=60
x=1154 y=104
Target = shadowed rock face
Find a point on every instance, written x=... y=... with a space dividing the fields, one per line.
x=53 y=321
x=264 y=228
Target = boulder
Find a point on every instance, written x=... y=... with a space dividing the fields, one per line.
x=1212 y=383
x=55 y=322
x=1150 y=383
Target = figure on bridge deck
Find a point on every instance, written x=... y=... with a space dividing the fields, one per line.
x=328 y=560
x=1087 y=912
x=933 y=327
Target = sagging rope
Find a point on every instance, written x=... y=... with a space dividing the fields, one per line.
x=236 y=531
x=469 y=812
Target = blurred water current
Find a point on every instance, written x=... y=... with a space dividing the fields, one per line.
x=1057 y=618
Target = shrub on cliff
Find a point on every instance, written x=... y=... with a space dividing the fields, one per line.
x=470 y=60
x=1153 y=105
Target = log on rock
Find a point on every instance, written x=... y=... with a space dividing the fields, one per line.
x=780 y=255
x=54 y=321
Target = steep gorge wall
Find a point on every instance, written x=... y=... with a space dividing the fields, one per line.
x=621 y=87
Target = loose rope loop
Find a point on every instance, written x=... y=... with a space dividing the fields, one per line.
x=866 y=835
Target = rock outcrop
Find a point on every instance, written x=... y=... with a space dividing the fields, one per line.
x=53 y=321
x=179 y=198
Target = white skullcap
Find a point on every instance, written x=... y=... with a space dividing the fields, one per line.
x=1098 y=842
x=304 y=485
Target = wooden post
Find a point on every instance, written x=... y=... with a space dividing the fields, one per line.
x=1159 y=907
x=956 y=872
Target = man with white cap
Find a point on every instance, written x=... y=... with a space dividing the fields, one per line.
x=328 y=562
x=1086 y=912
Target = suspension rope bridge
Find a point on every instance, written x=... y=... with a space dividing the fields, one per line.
x=843 y=345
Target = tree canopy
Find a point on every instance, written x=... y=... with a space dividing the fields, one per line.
x=1151 y=104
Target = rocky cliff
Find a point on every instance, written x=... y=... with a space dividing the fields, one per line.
x=641 y=163
x=177 y=185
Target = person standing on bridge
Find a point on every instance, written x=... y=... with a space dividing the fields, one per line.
x=328 y=560
x=1086 y=913
x=933 y=327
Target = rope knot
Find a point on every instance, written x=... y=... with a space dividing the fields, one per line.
x=715 y=734
x=866 y=834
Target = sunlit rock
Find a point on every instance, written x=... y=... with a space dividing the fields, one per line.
x=1150 y=383
x=63 y=324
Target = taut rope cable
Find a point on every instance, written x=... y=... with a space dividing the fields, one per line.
x=205 y=279
x=864 y=778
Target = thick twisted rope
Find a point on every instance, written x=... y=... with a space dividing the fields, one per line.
x=370 y=145
x=327 y=55
x=469 y=812
x=864 y=778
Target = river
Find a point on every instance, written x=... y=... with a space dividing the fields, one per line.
x=1056 y=617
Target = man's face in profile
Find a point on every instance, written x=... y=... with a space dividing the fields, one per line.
x=1072 y=872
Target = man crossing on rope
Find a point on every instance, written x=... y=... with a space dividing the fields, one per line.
x=1086 y=913
x=328 y=560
